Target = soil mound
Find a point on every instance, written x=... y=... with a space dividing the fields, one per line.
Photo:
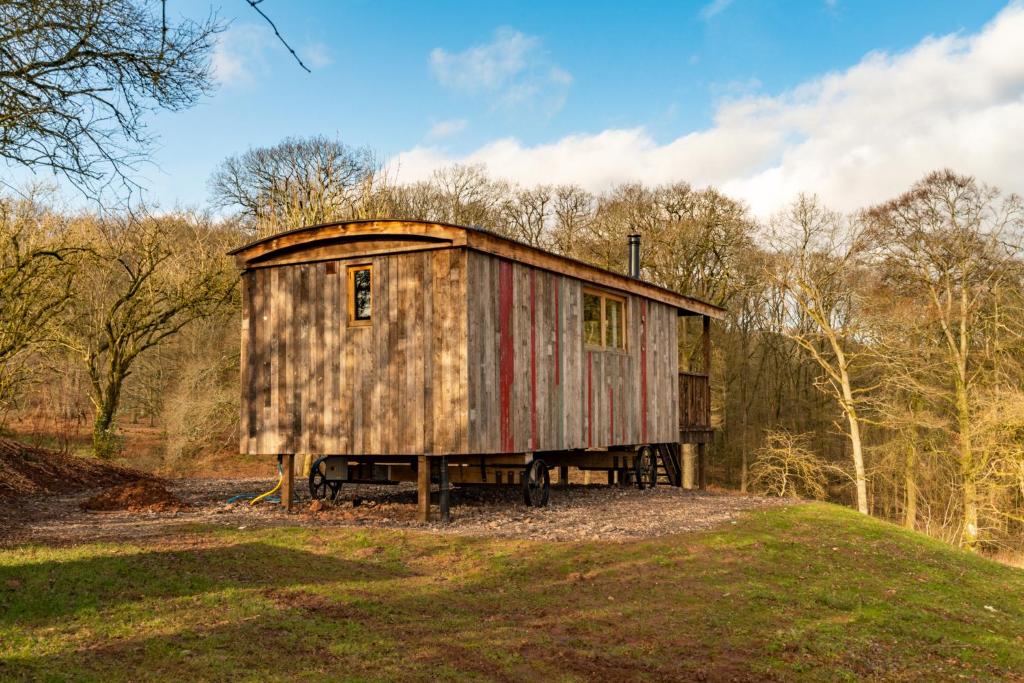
x=138 y=496
x=27 y=470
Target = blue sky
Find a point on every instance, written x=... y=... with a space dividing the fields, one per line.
x=743 y=94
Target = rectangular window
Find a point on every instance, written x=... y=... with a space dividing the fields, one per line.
x=360 y=294
x=614 y=323
x=604 y=320
x=591 y=319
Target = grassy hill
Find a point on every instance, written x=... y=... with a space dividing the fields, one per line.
x=812 y=592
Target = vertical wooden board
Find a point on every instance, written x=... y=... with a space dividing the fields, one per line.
x=263 y=409
x=492 y=357
x=506 y=354
x=316 y=401
x=276 y=318
x=481 y=296
x=458 y=279
x=245 y=368
x=282 y=298
x=545 y=345
x=558 y=353
x=377 y=352
x=673 y=376
x=521 y=345
x=427 y=296
x=392 y=350
x=417 y=366
x=301 y=371
x=474 y=308
x=346 y=381
x=327 y=414
x=441 y=365
x=574 y=358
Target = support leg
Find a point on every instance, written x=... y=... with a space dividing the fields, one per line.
x=702 y=466
x=689 y=477
x=563 y=476
x=287 y=463
x=423 y=488
x=442 y=496
x=611 y=477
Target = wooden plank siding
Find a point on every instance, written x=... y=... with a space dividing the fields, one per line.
x=313 y=383
x=467 y=352
x=534 y=386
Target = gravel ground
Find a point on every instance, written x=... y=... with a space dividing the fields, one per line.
x=575 y=513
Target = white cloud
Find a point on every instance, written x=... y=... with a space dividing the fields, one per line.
x=714 y=8
x=445 y=129
x=245 y=52
x=513 y=69
x=855 y=137
x=317 y=55
x=238 y=56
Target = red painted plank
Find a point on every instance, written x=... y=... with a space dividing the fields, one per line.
x=506 y=354
x=557 y=292
x=590 y=399
x=643 y=371
x=533 y=361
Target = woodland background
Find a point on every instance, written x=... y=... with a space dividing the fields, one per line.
x=873 y=359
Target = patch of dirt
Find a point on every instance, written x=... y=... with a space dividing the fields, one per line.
x=576 y=513
x=29 y=470
x=137 y=496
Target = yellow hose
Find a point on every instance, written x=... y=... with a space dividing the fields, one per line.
x=280 y=479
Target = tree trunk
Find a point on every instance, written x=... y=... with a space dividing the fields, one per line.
x=743 y=450
x=860 y=476
x=910 y=481
x=106 y=399
x=970 y=485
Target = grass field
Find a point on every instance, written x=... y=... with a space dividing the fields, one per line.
x=812 y=592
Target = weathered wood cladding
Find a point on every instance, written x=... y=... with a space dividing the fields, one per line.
x=312 y=383
x=534 y=386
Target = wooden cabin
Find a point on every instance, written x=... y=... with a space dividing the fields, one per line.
x=393 y=350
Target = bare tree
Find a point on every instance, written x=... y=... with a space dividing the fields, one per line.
x=297 y=182
x=786 y=467
x=78 y=76
x=146 y=278
x=818 y=271
x=953 y=244
x=527 y=215
x=35 y=279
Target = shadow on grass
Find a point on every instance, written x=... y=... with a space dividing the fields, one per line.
x=43 y=590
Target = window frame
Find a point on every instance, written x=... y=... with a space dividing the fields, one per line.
x=350 y=272
x=604 y=296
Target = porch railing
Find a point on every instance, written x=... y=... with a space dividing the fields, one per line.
x=694 y=402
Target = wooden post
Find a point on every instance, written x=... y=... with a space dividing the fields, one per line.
x=287 y=464
x=563 y=475
x=442 y=495
x=423 y=488
x=702 y=466
x=688 y=473
x=705 y=343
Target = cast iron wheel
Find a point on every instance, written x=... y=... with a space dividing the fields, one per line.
x=536 y=484
x=319 y=486
x=645 y=468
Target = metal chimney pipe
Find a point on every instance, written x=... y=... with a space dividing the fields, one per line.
x=634 y=256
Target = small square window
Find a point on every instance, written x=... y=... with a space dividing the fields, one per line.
x=360 y=294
